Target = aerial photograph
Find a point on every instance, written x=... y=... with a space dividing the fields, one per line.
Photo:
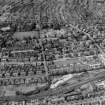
x=52 y=52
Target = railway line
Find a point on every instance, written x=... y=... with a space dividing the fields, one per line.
x=59 y=91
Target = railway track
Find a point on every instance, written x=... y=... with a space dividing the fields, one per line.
x=50 y=92
x=59 y=91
